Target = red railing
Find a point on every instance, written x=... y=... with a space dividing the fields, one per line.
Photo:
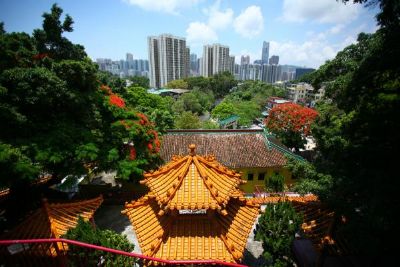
x=60 y=242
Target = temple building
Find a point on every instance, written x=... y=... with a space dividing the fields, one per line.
x=256 y=154
x=53 y=220
x=194 y=211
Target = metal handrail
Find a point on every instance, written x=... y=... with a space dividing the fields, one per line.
x=119 y=252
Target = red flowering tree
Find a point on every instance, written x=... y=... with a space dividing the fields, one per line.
x=291 y=123
x=134 y=143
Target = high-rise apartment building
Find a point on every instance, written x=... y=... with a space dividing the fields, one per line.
x=169 y=59
x=215 y=59
x=129 y=57
x=274 y=60
x=245 y=60
x=265 y=53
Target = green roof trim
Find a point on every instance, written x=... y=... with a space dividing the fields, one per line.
x=229 y=120
x=284 y=150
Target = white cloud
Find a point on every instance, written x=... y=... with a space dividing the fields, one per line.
x=336 y=29
x=311 y=53
x=323 y=11
x=199 y=32
x=250 y=22
x=219 y=20
x=164 y=6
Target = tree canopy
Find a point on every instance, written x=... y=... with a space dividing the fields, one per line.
x=357 y=134
x=56 y=114
x=291 y=123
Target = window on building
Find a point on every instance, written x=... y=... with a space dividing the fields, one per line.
x=250 y=177
x=261 y=176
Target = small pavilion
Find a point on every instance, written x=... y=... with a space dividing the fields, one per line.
x=53 y=220
x=194 y=211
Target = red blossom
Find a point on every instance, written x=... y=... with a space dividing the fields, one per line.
x=117 y=101
x=291 y=117
x=150 y=146
x=132 y=153
x=143 y=119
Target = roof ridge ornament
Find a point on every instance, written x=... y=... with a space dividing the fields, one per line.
x=192 y=148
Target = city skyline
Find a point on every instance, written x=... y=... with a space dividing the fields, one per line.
x=299 y=31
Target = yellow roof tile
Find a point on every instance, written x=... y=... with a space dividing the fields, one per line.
x=53 y=220
x=193 y=182
x=222 y=217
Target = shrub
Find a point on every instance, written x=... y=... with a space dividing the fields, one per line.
x=85 y=232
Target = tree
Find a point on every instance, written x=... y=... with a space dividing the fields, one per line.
x=187 y=102
x=276 y=230
x=177 y=84
x=357 y=136
x=140 y=81
x=291 y=123
x=275 y=183
x=223 y=110
x=222 y=82
x=187 y=120
x=209 y=124
x=87 y=233
x=198 y=82
x=309 y=180
x=49 y=40
x=57 y=117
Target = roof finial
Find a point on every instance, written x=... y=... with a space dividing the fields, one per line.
x=192 y=148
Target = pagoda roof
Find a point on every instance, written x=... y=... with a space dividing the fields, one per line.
x=193 y=182
x=188 y=237
x=194 y=210
x=53 y=220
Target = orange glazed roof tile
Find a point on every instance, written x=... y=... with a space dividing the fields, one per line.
x=193 y=182
x=53 y=220
x=194 y=211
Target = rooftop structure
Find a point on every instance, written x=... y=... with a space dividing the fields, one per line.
x=194 y=210
x=253 y=152
x=53 y=220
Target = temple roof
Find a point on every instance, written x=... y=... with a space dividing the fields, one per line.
x=184 y=237
x=194 y=210
x=233 y=148
x=54 y=219
x=193 y=182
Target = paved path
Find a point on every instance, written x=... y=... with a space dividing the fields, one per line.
x=110 y=217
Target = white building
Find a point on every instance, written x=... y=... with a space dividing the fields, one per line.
x=215 y=59
x=169 y=59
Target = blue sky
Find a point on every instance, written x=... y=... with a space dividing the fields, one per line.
x=301 y=32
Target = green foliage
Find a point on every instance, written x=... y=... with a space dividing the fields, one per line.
x=113 y=81
x=276 y=230
x=177 y=84
x=357 y=134
x=13 y=162
x=55 y=118
x=140 y=81
x=187 y=120
x=223 y=110
x=222 y=82
x=247 y=101
x=187 y=102
x=275 y=183
x=198 y=82
x=87 y=233
x=209 y=124
x=308 y=179
x=50 y=41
